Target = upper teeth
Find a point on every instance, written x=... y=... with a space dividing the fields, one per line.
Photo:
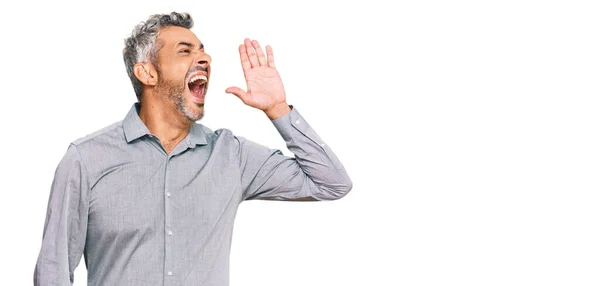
x=198 y=77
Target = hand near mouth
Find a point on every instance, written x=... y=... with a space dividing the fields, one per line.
x=264 y=86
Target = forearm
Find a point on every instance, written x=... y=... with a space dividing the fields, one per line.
x=317 y=161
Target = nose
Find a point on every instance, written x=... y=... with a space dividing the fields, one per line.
x=203 y=59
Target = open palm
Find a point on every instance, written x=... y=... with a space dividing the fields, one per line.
x=264 y=86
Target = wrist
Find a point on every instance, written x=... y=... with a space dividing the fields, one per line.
x=278 y=110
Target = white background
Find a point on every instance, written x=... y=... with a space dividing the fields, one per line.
x=470 y=130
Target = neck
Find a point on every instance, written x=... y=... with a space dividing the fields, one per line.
x=164 y=121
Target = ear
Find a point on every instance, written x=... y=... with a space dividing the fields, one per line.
x=146 y=73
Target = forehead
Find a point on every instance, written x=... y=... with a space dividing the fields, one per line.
x=170 y=36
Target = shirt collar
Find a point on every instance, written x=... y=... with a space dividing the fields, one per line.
x=197 y=135
x=135 y=128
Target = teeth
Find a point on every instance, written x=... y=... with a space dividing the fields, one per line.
x=198 y=77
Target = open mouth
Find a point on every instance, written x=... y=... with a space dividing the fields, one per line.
x=197 y=86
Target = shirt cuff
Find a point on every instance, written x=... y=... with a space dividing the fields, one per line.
x=292 y=124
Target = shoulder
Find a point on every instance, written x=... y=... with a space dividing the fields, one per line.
x=225 y=139
x=111 y=131
x=98 y=143
x=220 y=134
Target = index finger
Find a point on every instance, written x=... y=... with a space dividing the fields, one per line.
x=246 y=66
x=270 y=58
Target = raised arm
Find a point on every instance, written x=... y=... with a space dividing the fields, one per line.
x=314 y=173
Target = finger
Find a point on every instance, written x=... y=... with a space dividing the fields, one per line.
x=244 y=59
x=259 y=53
x=270 y=58
x=240 y=93
x=251 y=53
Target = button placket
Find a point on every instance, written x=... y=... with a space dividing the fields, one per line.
x=168 y=244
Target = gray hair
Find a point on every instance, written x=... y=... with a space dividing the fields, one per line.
x=141 y=45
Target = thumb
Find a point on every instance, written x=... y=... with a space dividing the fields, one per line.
x=241 y=94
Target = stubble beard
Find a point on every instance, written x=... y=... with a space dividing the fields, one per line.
x=175 y=91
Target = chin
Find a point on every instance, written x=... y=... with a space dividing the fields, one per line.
x=194 y=111
x=189 y=108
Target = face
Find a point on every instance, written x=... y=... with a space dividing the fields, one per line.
x=183 y=70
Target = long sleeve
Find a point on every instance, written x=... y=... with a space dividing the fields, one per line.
x=65 y=226
x=314 y=173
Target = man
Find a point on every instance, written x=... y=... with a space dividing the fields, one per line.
x=151 y=200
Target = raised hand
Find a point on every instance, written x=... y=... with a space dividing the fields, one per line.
x=264 y=86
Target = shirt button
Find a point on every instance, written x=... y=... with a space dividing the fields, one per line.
x=168 y=195
x=170 y=233
x=169 y=273
x=297 y=121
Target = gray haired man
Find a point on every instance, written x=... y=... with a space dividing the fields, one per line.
x=151 y=199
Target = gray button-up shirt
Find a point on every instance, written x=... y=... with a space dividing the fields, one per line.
x=141 y=216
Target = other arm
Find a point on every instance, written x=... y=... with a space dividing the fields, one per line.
x=65 y=226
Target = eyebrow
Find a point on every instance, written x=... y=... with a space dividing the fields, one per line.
x=190 y=45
